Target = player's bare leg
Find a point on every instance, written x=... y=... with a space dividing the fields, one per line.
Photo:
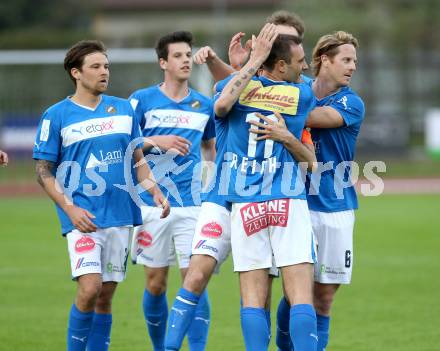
x=298 y=287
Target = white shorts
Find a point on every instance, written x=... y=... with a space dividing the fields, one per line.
x=333 y=233
x=212 y=236
x=278 y=229
x=157 y=242
x=104 y=251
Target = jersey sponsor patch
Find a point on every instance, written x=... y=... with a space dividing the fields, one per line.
x=86 y=243
x=257 y=216
x=44 y=133
x=96 y=127
x=212 y=230
x=176 y=119
x=281 y=98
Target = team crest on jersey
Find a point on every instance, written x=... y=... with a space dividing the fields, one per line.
x=281 y=98
x=195 y=104
x=111 y=109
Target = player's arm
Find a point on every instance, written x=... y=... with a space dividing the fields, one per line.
x=167 y=142
x=218 y=68
x=146 y=179
x=208 y=150
x=277 y=131
x=324 y=117
x=80 y=218
x=236 y=85
x=3 y=158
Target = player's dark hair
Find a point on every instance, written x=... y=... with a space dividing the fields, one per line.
x=281 y=50
x=329 y=45
x=171 y=38
x=288 y=19
x=76 y=54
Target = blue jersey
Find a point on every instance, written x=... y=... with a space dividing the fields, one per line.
x=219 y=182
x=336 y=145
x=88 y=147
x=192 y=118
x=265 y=170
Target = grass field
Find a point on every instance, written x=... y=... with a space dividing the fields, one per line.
x=392 y=304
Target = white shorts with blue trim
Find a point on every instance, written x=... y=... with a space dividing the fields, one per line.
x=276 y=229
x=157 y=242
x=104 y=252
x=333 y=233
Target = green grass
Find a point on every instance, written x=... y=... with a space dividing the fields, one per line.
x=392 y=303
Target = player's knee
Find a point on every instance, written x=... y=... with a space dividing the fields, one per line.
x=88 y=294
x=323 y=301
x=195 y=281
x=156 y=286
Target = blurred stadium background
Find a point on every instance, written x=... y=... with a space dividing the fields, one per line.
x=391 y=304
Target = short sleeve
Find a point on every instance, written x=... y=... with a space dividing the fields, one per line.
x=351 y=108
x=136 y=104
x=48 y=140
x=209 y=131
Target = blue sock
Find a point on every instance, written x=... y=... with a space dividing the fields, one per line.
x=99 y=337
x=181 y=316
x=78 y=329
x=269 y=322
x=156 y=314
x=283 y=334
x=198 y=330
x=254 y=328
x=303 y=327
x=323 y=323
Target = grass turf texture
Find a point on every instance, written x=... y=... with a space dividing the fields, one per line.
x=392 y=303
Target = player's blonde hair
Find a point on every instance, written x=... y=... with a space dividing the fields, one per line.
x=329 y=45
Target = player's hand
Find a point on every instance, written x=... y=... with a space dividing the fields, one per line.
x=262 y=44
x=161 y=201
x=81 y=219
x=174 y=143
x=275 y=130
x=3 y=158
x=238 y=54
x=204 y=55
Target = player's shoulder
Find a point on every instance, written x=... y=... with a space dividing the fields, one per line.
x=145 y=93
x=200 y=99
x=347 y=96
x=57 y=110
x=115 y=104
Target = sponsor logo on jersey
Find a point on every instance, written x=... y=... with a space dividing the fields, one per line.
x=144 y=239
x=44 y=132
x=281 y=98
x=212 y=230
x=176 y=119
x=257 y=216
x=105 y=158
x=96 y=127
x=84 y=244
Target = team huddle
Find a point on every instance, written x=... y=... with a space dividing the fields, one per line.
x=126 y=178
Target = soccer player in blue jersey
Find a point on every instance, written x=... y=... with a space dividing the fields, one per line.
x=269 y=218
x=331 y=197
x=80 y=148
x=179 y=122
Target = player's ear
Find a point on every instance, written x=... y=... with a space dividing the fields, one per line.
x=163 y=63
x=75 y=72
x=282 y=66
